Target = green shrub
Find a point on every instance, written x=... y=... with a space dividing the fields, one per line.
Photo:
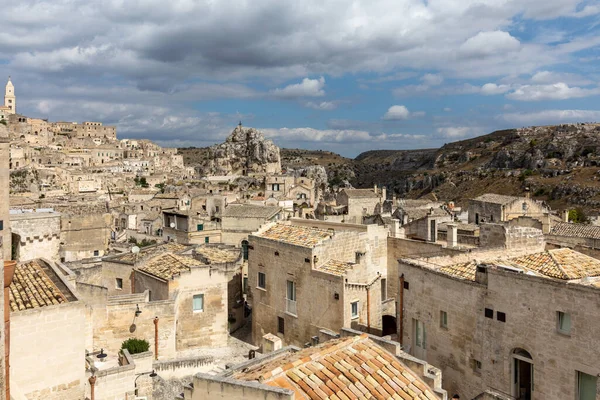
x=135 y=346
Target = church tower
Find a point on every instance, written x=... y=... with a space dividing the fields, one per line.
x=10 y=100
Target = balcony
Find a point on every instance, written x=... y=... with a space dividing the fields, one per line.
x=290 y=307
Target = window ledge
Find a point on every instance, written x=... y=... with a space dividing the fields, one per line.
x=291 y=315
x=353 y=318
x=263 y=289
x=562 y=333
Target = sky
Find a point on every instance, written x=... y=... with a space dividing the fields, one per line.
x=345 y=76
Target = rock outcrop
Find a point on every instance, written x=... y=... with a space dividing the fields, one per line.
x=244 y=152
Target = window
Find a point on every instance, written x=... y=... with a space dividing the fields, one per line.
x=476 y=366
x=119 y=283
x=406 y=285
x=354 y=308
x=280 y=325
x=586 y=386
x=383 y=289
x=96 y=253
x=420 y=334
x=489 y=313
x=206 y=239
x=276 y=253
x=1 y=225
x=262 y=280
x=216 y=208
x=291 y=298
x=444 y=319
x=500 y=316
x=275 y=187
x=564 y=322
x=245 y=285
x=200 y=227
x=198 y=301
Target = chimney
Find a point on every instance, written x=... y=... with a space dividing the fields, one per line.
x=375 y=189
x=565 y=215
x=395 y=228
x=452 y=235
x=383 y=194
x=527 y=194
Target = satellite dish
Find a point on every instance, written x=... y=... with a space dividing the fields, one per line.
x=135 y=249
x=172 y=225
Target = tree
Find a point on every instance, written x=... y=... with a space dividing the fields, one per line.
x=578 y=216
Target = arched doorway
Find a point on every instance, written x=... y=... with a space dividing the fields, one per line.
x=522 y=374
x=388 y=324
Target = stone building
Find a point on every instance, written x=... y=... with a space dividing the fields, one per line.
x=238 y=221
x=35 y=234
x=5 y=234
x=496 y=208
x=188 y=227
x=580 y=237
x=10 y=101
x=519 y=324
x=361 y=202
x=309 y=275
x=48 y=328
x=353 y=366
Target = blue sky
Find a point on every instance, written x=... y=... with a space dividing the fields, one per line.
x=345 y=76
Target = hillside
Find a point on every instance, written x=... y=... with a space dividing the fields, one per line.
x=559 y=164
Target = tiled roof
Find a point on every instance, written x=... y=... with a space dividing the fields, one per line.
x=564 y=264
x=496 y=198
x=167 y=265
x=215 y=255
x=463 y=270
x=36 y=285
x=296 y=235
x=576 y=230
x=360 y=193
x=350 y=368
x=418 y=213
x=250 y=211
x=150 y=251
x=335 y=267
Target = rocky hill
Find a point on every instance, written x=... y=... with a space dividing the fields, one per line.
x=559 y=164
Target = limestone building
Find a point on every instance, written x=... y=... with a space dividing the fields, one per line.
x=238 y=221
x=359 y=203
x=306 y=275
x=521 y=326
x=495 y=208
x=10 y=101
x=35 y=234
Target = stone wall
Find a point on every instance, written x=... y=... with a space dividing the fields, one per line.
x=215 y=388
x=511 y=237
x=39 y=235
x=84 y=235
x=183 y=367
x=47 y=350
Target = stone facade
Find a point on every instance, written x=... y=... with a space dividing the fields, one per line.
x=36 y=235
x=493 y=208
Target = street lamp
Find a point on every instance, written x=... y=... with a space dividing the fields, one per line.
x=151 y=374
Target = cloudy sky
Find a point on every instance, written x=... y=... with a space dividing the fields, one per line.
x=339 y=75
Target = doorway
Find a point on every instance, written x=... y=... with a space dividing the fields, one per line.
x=522 y=375
x=388 y=325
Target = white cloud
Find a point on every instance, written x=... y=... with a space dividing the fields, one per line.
x=548 y=77
x=545 y=117
x=491 y=89
x=447 y=109
x=400 y=112
x=556 y=91
x=324 y=105
x=490 y=44
x=432 y=79
x=306 y=88
x=457 y=132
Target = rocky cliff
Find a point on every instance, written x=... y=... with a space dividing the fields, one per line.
x=244 y=152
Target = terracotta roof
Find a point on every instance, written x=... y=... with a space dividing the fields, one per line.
x=250 y=211
x=576 y=230
x=349 y=368
x=35 y=285
x=360 y=193
x=168 y=265
x=463 y=270
x=335 y=267
x=215 y=255
x=296 y=235
x=496 y=198
x=150 y=251
x=564 y=264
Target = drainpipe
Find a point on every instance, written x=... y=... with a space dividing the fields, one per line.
x=156 y=338
x=9 y=270
x=92 y=381
x=401 y=310
x=368 y=310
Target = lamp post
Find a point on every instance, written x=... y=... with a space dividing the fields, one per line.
x=151 y=374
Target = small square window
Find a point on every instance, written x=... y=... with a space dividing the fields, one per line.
x=354 y=307
x=564 y=322
x=262 y=280
x=500 y=316
x=476 y=366
x=406 y=285
x=119 y=283
x=96 y=253
x=444 y=319
x=280 y=325
x=200 y=227
x=276 y=253
x=206 y=239
x=198 y=302
x=489 y=313
x=307 y=260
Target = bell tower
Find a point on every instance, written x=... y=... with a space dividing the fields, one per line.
x=10 y=100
